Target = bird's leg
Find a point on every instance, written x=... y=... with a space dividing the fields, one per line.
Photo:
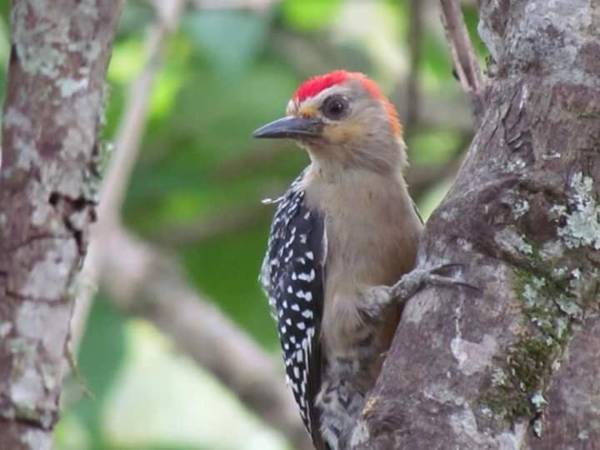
x=377 y=298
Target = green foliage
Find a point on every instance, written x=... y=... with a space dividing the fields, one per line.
x=310 y=15
x=228 y=40
x=433 y=146
x=471 y=15
x=437 y=66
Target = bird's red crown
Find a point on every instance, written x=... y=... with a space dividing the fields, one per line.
x=315 y=85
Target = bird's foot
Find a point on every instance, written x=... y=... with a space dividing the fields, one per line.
x=445 y=275
x=377 y=298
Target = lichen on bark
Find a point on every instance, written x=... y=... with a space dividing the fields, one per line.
x=52 y=113
x=514 y=365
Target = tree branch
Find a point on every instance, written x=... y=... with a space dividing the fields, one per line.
x=463 y=53
x=59 y=53
x=515 y=365
x=415 y=38
x=132 y=124
x=228 y=221
x=123 y=160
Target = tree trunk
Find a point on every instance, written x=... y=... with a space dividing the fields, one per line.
x=515 y=364
x=53 y=111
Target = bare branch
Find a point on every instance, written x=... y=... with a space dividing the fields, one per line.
x=228 y=221
x=463 y=53
x=132 y=124
x=123 y=160
x=415 y=38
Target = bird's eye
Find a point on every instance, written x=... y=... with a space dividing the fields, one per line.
x=335 y=107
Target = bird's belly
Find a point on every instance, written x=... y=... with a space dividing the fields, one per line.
x=371 y=233
x=355 y=263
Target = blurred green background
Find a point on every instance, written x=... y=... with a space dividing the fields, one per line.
x=198 y=183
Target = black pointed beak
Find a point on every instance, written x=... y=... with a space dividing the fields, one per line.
x=290 y=127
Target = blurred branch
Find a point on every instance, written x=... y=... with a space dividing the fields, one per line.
x=254 y=5
x=229 y=221
x=415 y=39
x=145 y=282
x=463 y=53
x=136 y=109
x=127 y=145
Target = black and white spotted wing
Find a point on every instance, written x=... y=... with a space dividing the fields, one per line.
x=292 y=277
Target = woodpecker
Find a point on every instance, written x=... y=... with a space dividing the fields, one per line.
x=345 y=226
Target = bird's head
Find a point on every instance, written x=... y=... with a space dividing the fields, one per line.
x=344 y=121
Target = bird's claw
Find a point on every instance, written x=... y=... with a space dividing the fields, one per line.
x=377 y=298
x=443 y=276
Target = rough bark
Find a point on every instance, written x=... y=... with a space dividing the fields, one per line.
x=59 y=54
x=514 y=365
